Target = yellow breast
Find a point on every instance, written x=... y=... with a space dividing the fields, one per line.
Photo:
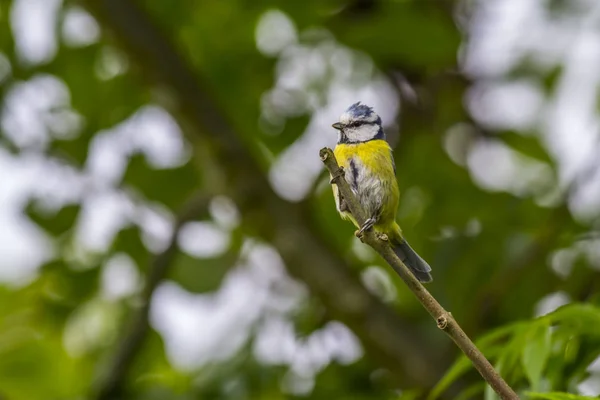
x=374 y=155
x=376 y=185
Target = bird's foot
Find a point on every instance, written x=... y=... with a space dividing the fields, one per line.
x=366 y=226
x=338 y=174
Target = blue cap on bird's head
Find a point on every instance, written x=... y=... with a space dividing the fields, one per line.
x=359 y=123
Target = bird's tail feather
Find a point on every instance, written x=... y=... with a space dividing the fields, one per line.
x=412 y=260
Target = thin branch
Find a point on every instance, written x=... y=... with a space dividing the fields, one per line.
x=444 y=319
x=111 y=384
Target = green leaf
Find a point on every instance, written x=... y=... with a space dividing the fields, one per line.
x=582 y=319
x=486 y=344
x=489 y=394
x=557 y=396
x=460 y=366
x=490 y=338
x=536 y=352
x=38 y=356
x=410 y=395
x=472 y=392
x=508 y=363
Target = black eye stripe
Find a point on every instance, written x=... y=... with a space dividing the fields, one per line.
x=356 y=124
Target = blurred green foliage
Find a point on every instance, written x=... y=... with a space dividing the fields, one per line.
x=495 y=251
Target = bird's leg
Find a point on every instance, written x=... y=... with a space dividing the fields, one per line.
x=338 y=174
x=366 y=226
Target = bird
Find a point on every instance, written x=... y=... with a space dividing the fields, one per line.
x=367 y=164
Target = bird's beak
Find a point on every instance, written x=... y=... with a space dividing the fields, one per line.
x=338 y=126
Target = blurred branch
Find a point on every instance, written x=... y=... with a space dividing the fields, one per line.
x=111 y=384
x=384 y=334
x=444 y=319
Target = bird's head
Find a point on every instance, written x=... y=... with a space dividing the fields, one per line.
x=359 y=123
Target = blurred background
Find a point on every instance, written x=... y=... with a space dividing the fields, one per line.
x=167 y=230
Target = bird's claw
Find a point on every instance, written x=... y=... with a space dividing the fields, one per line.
x=366 y=226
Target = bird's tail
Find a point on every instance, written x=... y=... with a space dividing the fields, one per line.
x=410 y=258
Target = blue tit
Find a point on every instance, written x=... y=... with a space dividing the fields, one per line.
x=369 y=169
